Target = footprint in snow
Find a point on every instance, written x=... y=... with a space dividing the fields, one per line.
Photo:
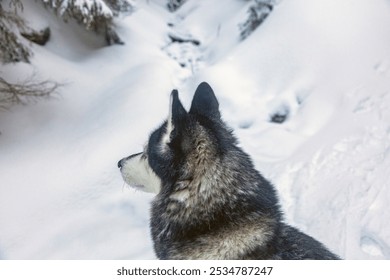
x=374 y=247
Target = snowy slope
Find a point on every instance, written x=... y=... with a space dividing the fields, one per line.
x=325 y=64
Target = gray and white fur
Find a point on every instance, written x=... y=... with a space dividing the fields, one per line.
x=211 y=203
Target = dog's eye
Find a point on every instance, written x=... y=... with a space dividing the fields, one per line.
x=173 y=135
x=173 y=139
x=171 y=145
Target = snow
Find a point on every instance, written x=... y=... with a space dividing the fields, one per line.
x=325 y=64
x=84 y=6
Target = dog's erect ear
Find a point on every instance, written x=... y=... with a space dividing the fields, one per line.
x=204 y=102
x=176 y=111
x=176 y=118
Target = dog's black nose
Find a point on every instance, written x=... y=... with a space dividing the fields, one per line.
x=120 y=163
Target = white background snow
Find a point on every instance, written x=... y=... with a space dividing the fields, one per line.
x=326 y=62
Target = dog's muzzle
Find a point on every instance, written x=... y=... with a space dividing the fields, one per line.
x=137 y=173
x=123 y=160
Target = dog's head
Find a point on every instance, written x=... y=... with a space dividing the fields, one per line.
x=183 y=148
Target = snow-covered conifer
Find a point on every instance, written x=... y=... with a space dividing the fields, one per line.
x=95 y=15
x=173 y=5
x=11 y=47
x=12 y=50
x=257 y=13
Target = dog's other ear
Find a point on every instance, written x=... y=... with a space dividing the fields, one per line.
x=204 y=102
x=177 y=112
x=176 y=118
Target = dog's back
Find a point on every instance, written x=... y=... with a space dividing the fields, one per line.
x=296 y=245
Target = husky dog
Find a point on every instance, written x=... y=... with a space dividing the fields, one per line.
x=211 y=203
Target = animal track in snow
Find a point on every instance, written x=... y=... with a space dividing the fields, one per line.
x=245 y=124
x=373 y=247
x=383 y=67
x=287 y=105
x=184 y=48
x=281 y=114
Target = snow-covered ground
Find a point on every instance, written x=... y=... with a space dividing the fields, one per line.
x=324 y=65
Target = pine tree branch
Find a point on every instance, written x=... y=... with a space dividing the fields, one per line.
x=11 y=49
x=94 y=15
